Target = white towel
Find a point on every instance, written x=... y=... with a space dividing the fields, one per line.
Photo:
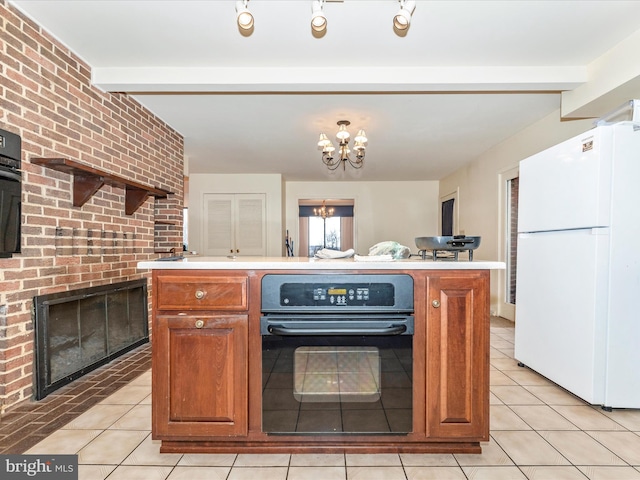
x=373 y=258
x=327 y=253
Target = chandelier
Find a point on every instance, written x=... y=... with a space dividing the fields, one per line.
x=323 y=211
x=343 y=156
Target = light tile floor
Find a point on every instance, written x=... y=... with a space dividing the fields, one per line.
x=538 y=432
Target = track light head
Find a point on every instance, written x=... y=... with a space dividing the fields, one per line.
x=244 y=16
x=402 y=19
x=318 y=19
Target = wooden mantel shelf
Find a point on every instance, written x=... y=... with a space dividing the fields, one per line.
x=88 y=180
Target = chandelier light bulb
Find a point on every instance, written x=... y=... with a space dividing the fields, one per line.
x=343 y=134
x=323 y=142
x=361 y=137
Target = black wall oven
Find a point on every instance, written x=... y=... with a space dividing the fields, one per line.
x=10 y=193
x=337 y=354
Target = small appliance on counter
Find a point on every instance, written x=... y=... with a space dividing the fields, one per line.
x=446 y=247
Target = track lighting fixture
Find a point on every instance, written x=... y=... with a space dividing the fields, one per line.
x=403 y=17
x=318 y=20
x=244 y=16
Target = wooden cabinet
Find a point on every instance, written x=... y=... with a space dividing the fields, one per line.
x=234 y=224
x=207 y=366
x=457 y=360
x=200 y=370
x=201 y=379
x=195 y=293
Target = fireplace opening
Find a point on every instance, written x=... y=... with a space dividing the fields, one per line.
x=78 y=331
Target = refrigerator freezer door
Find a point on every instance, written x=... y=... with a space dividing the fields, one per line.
x=560 y=328
x=567 y=186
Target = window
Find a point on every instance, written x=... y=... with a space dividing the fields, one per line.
x=334 y=232
x=324 y=233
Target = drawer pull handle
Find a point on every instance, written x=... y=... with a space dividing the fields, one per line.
x=199 y=323
x=436 y=304
x=199 y=294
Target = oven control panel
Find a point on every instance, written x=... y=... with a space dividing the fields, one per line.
x=337 y=294
x=332 y=292
x=340 y=295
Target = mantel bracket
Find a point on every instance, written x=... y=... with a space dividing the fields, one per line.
x=88 y=180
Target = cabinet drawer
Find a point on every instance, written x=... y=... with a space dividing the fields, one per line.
x=201 y=293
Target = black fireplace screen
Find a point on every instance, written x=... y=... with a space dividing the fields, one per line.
x=78 y=331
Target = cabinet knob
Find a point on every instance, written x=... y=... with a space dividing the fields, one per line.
x=435 y=303
x=199 y=294
x=237 y=250
x=199 y=323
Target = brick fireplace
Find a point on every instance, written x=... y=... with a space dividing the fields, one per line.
x=77 y=331
x=47 y=98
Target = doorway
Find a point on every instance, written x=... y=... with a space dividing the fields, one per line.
x=447 y=217
x=509 y=183
x=449 y=214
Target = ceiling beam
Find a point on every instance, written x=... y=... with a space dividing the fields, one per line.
x=338 y=79
x=613 y=79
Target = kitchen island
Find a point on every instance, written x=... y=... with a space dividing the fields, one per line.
x=209 y=356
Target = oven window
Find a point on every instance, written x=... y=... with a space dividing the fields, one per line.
x=337 y=385
x=336 y=374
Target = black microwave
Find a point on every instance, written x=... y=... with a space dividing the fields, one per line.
x=10 y=193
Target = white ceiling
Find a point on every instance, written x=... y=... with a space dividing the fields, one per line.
x=467 y=75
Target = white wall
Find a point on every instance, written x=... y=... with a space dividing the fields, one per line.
x=479 y=185
x=398 y=211
x=270 y=185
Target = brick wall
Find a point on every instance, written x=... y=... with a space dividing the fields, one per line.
x=46 y=96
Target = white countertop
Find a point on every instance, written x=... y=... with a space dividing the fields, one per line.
x=303 y=263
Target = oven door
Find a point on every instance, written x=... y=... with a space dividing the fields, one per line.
x=333 y=374
x=10 y=212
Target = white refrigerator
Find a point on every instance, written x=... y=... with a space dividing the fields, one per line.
x=578 y=265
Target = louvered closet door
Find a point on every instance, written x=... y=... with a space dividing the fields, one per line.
x=234 y=224
x=218 y=224
x=250 y=224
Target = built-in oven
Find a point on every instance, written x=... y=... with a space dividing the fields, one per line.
x=10 y=193
x=337 y=354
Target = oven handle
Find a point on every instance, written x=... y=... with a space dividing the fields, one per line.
x=292 y=332
x=10 y=175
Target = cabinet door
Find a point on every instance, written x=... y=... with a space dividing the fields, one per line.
x=234 y=224
x=250 y=231
x=200 y=376
x=457 y=371
x=218 y=224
